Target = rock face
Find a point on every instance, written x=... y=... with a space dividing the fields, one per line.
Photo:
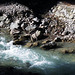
x=60 y=22
x=18 y=19
x=57 y=25
x=66 y=13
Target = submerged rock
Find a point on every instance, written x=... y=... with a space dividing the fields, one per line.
x=67 y=50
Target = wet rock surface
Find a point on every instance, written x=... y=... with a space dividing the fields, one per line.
x=49 y=45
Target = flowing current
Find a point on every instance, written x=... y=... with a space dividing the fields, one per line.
x=34 y=60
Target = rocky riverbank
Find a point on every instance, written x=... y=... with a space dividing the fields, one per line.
x=26 y=29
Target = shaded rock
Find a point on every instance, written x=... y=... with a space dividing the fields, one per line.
x=15 y=37
x=15 y=31
x=20 y=39
x=18 y=42
x=34 y=37
x=57 y=39
x=25 y=37
x=49 y=45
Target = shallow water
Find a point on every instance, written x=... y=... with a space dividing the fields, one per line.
x=34 y=60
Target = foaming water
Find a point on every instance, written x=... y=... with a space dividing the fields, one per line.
x=35 y=60
x=9 y=52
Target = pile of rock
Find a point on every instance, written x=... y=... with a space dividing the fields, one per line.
x=26 y=29
x=66 y=13
x=60 y=22
x=18 y=19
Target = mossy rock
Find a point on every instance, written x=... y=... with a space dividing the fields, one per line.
x=35 y=44
x=67 y=50
x=45 y=41
x=28 y=45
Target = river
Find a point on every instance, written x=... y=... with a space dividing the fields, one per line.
x=18 y=60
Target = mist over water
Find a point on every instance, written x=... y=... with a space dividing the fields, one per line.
x=35 y=60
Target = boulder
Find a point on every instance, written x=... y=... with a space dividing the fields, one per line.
x=57 y=39
x=3 y=17
x=35 y=44
x=14 y=31
x=67 y=50
x=18 y=42
x=28 y=45
x=49 y=45
x=34 y=36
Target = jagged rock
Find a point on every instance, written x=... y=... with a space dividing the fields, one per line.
x=19 y=19
x=25 y=37
x=15 y=31
x=30 y=27
x=49 y=45
x=57 y=26
x=57 y=39
x=35 y=35
x=19 y=42
x=60 y=22
x=24 y=25
x=21 y=39
x=1 y=24
x=66 y=13
x=7 y=21
x=3 y=17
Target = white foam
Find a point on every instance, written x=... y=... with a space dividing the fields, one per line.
x=24 y=55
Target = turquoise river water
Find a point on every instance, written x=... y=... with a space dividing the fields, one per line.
x=17 y=60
